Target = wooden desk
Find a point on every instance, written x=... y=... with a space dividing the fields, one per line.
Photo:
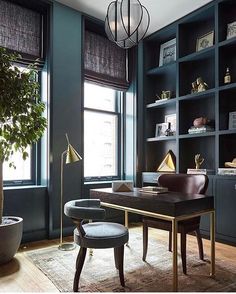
x=169 y=206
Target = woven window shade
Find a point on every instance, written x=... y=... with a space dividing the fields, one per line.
x=20 y=29
x=104 y=62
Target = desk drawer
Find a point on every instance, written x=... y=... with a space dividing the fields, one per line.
x=148 y=177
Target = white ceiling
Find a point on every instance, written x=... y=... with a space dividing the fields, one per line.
x=162 y=12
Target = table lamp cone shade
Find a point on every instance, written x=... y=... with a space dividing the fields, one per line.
x=72 y=155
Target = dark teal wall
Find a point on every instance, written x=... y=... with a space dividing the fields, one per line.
x=66 y=97
x=40 y=207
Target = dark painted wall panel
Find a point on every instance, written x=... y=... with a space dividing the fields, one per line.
x=31 y=204
x=66 y=106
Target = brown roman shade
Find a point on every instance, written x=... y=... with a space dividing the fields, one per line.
x=20 y=29
x=104 y=62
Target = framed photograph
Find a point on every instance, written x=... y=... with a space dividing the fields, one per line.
x=205 y=41
x=231 y=30
x=171 y=119
x=161 y=129
x=232 y=120
x=167 y=52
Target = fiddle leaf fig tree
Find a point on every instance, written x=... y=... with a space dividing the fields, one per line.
x=21 y=111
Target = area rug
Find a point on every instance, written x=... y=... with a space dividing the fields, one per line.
x=154 y=275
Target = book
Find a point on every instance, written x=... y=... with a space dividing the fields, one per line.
x=202 y=129
x=153 y=189
x=227 y=171
x=194 y=171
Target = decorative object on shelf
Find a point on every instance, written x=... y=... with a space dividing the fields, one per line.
x=201 y=85
x=231 y=164
x=231 y=30
x=200 y=125
x=167 y=52
x=194 y=171
x=200 y=121
x=227 y=77
x=161 y=129
x=205 y=41
x=126 y=22
x=198 y=161
x=165 y=95
x=122 y=186
x=232 y=120
x=227 y=171
x=168 y=163
x=194 y=87
x=71 y=156
x=171 y=118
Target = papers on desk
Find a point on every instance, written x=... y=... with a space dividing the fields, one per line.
x=153 y=190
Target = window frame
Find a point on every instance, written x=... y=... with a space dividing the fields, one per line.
x=35 y=165
x=118 y=112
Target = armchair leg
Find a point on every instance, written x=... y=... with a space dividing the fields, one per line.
x=79 y=265
x=145 y=241
x=116 y=258
x=119 y=259
x=183 y=252
x=200 y=245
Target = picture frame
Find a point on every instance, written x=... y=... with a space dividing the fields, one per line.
x=232 y=120
x=171 y=119
x=231 y=30
x=161 y=129
x=167 y=52
x=205 y=41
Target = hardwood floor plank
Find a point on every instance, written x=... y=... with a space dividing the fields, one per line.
x=21 y=275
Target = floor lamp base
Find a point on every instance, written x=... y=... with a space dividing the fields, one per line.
x=66 y=246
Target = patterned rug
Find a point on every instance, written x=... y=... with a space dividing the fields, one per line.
x=155 y=275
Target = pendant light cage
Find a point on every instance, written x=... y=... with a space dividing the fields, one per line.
x=126 y=22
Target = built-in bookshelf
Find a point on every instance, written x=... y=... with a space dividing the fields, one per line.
x=216 y=146
x=177 y=76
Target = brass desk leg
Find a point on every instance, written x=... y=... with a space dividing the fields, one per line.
x=126 y=219
x=127 y=222
x=212 y=217
x=175 y=254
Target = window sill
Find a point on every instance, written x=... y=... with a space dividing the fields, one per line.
x=24 y=187
x=98 y=183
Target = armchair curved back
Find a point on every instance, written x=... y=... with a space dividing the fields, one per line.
x=192 y=184
x=84 y=209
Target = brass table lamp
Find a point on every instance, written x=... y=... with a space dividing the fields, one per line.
x=71 y=156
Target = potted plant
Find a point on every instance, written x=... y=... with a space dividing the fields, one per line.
x=21 y=124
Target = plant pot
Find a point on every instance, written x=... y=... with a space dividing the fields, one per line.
x=10 y=236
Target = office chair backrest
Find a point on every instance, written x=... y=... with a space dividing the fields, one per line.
x=192 y=184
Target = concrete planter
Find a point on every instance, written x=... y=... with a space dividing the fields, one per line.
x=10 y=236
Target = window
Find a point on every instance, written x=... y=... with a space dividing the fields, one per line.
x=24 y=171
x=102 y=132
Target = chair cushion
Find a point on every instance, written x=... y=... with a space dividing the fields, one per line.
x=102 y=235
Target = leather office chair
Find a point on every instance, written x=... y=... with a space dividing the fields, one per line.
x=95 y=235
x=194 y=184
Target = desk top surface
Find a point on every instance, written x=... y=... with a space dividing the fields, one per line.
x=170 y=203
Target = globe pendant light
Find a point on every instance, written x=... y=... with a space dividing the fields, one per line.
x=126 y=22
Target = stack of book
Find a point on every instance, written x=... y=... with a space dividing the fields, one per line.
x=227 y=171
x=202 y=171
x=201 y=129
x=154 y=190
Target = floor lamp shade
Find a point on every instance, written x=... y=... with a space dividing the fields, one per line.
x=71 y=156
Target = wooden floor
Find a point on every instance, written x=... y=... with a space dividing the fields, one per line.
x=20 y=275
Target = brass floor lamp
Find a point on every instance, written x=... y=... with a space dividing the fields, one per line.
x=71 y=156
